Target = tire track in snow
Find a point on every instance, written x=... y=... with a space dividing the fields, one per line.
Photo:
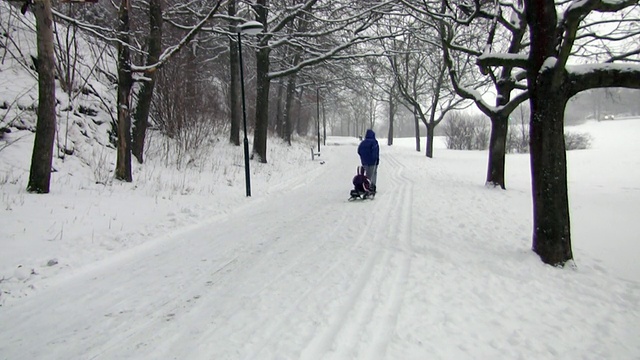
x=381 y=278
x=389 y=317
x=363 y=313
x=258 y=267
x=274 y=327
x=265 y=327
x=380 y=321
x=343 y=261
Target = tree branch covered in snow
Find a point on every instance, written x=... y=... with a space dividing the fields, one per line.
x=102 y=33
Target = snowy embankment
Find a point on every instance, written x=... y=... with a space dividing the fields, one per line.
x=437 y=266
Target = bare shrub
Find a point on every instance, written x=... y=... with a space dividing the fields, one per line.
x=577 y=141
x=188 y=111
x=518 y=138
x=481 y=134
x=100 y=165
x=465 y=132
x=518 y=134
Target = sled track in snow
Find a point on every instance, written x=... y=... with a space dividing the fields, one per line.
x=382 y=273
x=403 y=235
x=269 y=329
x=294 y=271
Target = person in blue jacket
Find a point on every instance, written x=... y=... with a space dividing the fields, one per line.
x=369 y=152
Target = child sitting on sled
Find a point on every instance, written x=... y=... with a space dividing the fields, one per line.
x=362 y=184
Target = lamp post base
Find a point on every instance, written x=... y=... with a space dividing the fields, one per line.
x=247 y=175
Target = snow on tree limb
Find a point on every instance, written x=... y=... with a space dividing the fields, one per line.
x=503 y=59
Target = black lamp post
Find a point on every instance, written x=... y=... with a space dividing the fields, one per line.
x=318 y=115
x=324 y=126
x=251 y=28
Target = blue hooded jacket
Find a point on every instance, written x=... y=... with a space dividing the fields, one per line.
x=369 y=150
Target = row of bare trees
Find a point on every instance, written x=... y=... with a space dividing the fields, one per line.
x=538 y=68
x=423 y=56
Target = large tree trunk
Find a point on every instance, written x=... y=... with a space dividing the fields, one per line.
x=145 y=95
x=234 y=84
x=125 y=82
x=498 y=137
x=497 y=149
x=551 y=228
x=42 y=156
x=262 y=89
x=262 y=105
x=551 y=225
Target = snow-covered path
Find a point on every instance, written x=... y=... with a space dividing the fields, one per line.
x=238 y=283
x=300 y=273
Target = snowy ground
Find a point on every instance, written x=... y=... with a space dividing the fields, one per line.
x=181 y=265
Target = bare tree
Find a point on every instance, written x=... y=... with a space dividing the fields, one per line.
x=503 y=79
x=145 y=93
x=554 y=31
x=234 y=80
x=551 y=84
x=42 y=156
x=339 y=28
x=126 y=69
x=125 y=82
x=421 y=82
x=392 y=112
x=382 y=92
x=297 y=26
x=262 y=84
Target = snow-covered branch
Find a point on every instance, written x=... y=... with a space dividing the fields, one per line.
x=172 y=50
x=503 y=59
x=584 y=77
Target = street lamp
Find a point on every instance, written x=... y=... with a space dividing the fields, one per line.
x=250 y=28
